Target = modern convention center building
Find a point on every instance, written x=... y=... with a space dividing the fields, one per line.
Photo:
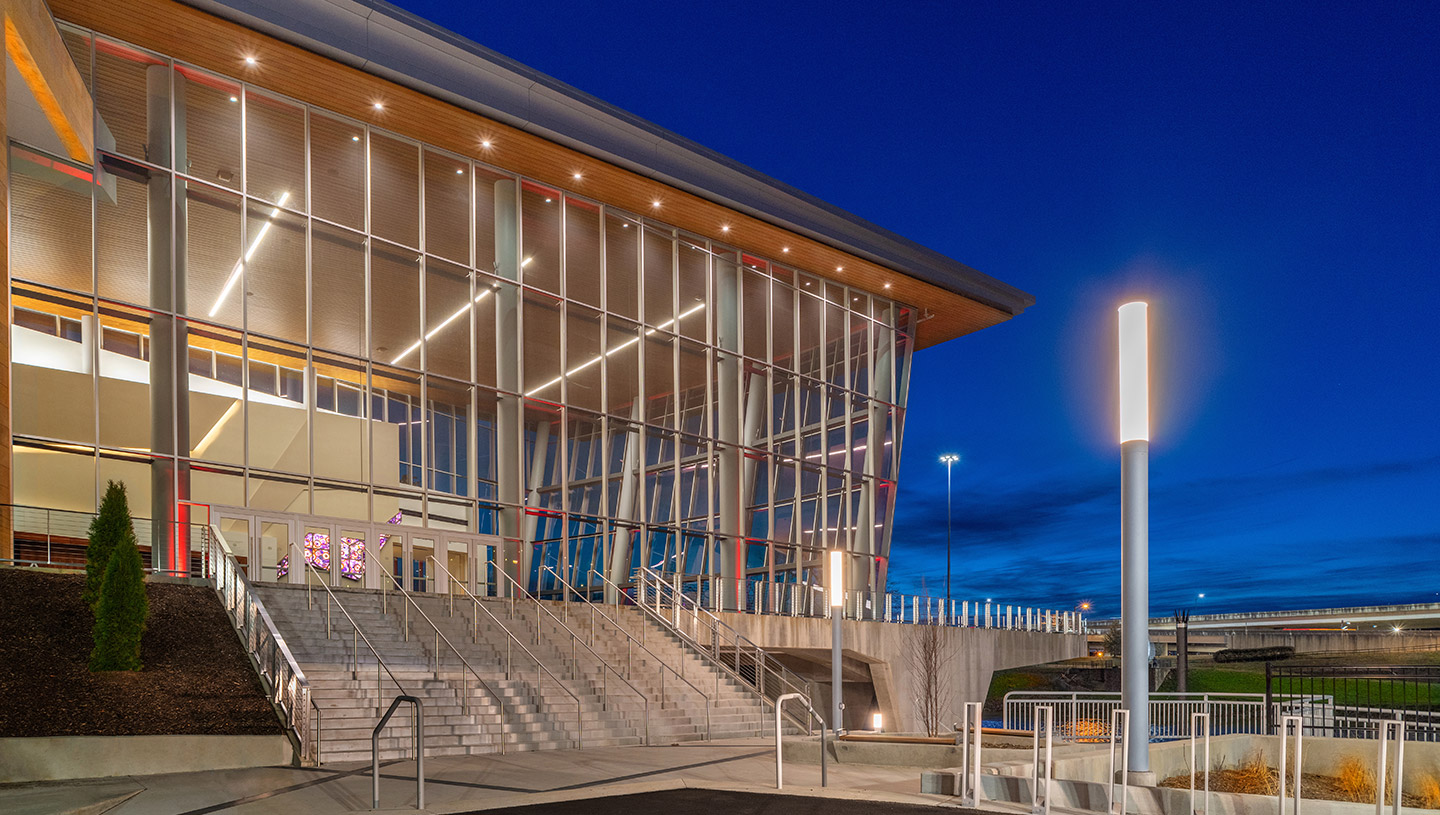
x=329 y=277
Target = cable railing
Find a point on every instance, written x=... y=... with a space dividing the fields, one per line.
x=287 y=687
x=722 y=645
x=630 y=642
x=510 y=642
x=577 y=642
x=388 y=578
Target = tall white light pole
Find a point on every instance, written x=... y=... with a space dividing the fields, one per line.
x=1135 y=533
x=837 y=611
x=948 y=460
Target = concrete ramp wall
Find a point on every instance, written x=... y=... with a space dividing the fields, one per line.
x=876 y=652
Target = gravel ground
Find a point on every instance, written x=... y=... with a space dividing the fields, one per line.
x=196 y=681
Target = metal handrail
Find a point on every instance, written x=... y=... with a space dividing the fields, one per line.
x=354 y=626
x=576 y=640
x=779 y=765
x=465 y=685
x=631 y=640
x=239 y=598
x=509 y=654
x=419 y=751
x=791 y=680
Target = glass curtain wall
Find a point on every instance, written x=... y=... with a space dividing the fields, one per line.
x=251 y=301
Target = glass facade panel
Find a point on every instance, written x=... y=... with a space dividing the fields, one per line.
x=341 y=321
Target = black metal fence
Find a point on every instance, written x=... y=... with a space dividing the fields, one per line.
x=1352 y=701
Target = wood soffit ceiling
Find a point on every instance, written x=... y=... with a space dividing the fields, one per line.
x=209 y=42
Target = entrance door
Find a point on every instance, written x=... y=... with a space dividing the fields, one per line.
x=235 y=529
x=421 y=573
x=271 y=542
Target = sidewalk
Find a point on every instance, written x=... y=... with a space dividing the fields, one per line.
x=461 y=784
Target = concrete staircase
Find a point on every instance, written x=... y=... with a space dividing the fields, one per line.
x=574 y=701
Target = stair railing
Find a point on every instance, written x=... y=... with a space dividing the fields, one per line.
x=575 y=643
x=630 y=643
x=386 y=578
x=510 y=643
x=710 y=636
x=357 y=636
x=287 y=687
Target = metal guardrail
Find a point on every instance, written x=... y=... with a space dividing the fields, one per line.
x=389 y=578
x=1085 y=716
x=287 y=687
x=510 y=642
x=779 y=763
x=709 y=636
x=630 y=642
x=419 y=751
x=1359 y=698
x=576 y=642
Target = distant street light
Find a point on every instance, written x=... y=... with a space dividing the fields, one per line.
x=948 y=459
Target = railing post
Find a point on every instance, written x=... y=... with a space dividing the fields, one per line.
x=1299 y=724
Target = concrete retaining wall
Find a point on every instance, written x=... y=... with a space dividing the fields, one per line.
x=975 y=654
x=56 y=758
x=1318 y=642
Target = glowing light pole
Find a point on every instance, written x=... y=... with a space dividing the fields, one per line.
x=837 y=595
x=1135 y=534
x=948 y=459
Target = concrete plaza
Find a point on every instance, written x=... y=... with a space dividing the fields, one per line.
x=456 y=784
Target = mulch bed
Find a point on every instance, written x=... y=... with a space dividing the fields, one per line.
x=196 y=681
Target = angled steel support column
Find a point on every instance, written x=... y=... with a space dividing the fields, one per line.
x=620 y=549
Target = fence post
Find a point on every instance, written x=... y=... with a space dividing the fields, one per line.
x=1269 y=702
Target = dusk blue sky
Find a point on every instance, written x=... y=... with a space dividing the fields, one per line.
x=1267 y=175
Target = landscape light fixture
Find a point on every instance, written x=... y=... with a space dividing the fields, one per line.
x=1134 y=361
x=875 y=722
x=837 y=598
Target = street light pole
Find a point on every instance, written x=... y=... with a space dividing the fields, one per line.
x=948 y=460
x=1135 y=534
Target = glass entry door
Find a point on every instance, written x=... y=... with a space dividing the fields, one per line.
x=271 y=543
x=421 y=572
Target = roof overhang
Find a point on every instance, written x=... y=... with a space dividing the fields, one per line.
x=383 y=41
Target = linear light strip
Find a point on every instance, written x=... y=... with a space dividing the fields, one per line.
x=621 y=347
x=448 y=320
x=249 y=253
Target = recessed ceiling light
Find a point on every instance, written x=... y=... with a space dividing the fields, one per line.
x=379 y=106
x=460 y=171
x=547 y=200
x=249 y=60
x=724 y=229
x=786 y=250
x=354 y=138
x=887 y=285
x=577 y=176
x=485 y=144
x=839 y=268
x=627 y=226
x=234 y=99
x=807 y=282
x=857 y=299
x=655 y=204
